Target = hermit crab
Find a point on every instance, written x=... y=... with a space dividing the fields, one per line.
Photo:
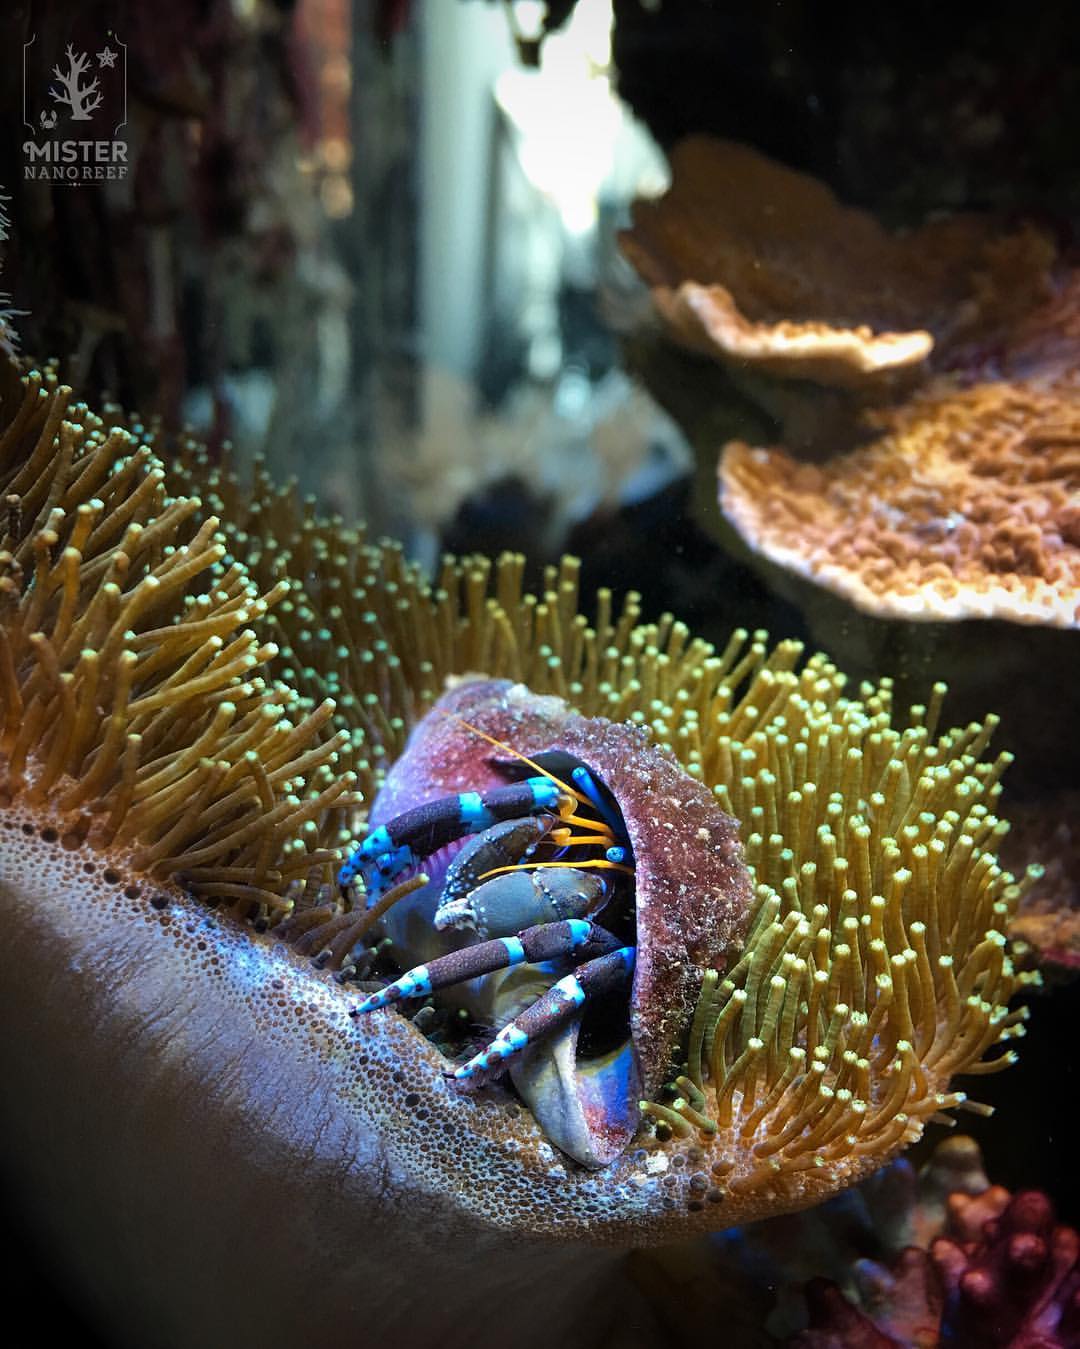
x=580 y=883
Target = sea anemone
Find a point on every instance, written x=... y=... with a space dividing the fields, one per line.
x=176 y=795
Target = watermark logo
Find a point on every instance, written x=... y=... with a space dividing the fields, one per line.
x=75 y=109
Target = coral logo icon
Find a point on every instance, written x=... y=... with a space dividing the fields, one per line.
x=75 y=110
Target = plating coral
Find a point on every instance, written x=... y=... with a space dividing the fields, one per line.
x=967 y=503
x=764 y=269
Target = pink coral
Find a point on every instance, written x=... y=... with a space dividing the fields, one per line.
x=1002 y=1275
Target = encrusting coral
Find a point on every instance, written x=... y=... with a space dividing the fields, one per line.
x=1047 y=923
x=761 y=267
x=168 y=740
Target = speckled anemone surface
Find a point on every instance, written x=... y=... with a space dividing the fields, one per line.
x=188 y=731
x=382 y=1090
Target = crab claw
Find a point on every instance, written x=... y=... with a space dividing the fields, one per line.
x=506 y=904
x=561 y=1003
x=589 y=1106
x=502 y=845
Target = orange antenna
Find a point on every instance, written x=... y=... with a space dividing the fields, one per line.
x=566 y=838
x=499 y=744
x=596 y=864
x=589 y=824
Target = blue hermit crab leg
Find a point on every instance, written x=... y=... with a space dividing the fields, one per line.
x=408 y=838
x=561 y=1002
x=575 y=938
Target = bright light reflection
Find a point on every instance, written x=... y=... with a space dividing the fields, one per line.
x=575 y=138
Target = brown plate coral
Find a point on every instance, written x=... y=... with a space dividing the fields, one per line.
x=951 y=533
x=761 y=267
x=194 y=1110
x=966 y=506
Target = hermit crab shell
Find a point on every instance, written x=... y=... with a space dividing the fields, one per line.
x=692 y=889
